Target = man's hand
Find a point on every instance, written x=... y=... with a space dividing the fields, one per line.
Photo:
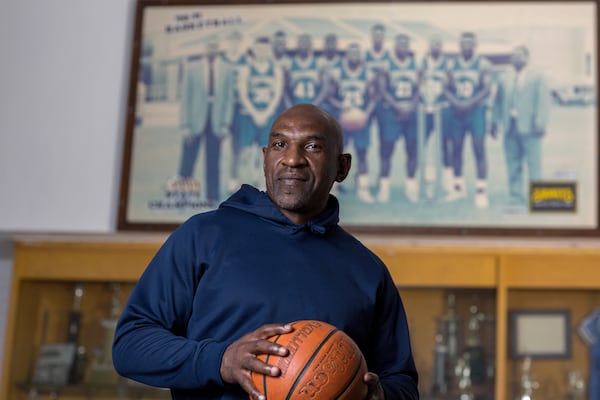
x=239 y=359
x=375 y=388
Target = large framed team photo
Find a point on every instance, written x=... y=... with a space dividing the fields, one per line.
x=461 y=117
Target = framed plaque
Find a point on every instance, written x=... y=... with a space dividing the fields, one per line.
x=540 y=334
x=453 y=163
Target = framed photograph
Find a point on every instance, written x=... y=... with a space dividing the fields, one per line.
x=461 y=117
x=540 y=334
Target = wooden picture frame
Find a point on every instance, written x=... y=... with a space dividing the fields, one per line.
x=172 y=37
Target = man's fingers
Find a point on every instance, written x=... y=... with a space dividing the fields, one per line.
x=246 y=383
x=270 y=330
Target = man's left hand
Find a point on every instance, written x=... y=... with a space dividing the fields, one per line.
x=375 y=389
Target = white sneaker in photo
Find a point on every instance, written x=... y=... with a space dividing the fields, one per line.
x=364 y=196
x=412 y=190
x=362 y=191
x=481 y=197
x=384 y=190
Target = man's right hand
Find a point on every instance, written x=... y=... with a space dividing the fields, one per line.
x=240 y=358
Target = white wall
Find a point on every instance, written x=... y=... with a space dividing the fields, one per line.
x=63 y=77
x=64 y=70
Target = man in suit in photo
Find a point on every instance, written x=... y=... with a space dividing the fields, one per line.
x=521 y=110
x=206 y=113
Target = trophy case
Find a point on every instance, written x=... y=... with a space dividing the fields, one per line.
x=67 y=292
x=65 y=302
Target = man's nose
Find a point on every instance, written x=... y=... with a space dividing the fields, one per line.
x=294 y=156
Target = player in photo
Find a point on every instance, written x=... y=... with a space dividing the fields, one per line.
x=377 y=58
x=282 y=58
x=206 y=112
x=330 y=63
x=354 y=98
x=438 y=122
x=260 y=87
x=469 y=88
x=399 y=88
x=234 y=57
x=304 y=78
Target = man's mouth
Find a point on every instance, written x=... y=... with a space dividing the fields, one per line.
x=291 y=179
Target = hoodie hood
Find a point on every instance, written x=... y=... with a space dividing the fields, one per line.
x=250 y=200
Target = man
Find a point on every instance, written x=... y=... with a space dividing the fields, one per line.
x=468 y=89
x=228 y=279
x=305 y=78
x=260 y=87
x=399 y=90
x=206 y=112
x=434 y=78
x=521 y=109
x=353 y=91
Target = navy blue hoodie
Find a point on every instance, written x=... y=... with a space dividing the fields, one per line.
x=224 y=273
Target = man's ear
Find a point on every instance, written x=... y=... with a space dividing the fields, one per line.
x=344 y=163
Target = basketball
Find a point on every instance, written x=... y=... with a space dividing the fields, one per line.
x=323 y=363
x=353 y=119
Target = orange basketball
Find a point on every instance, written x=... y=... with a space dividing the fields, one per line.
x=353 y=119
x=323 y=363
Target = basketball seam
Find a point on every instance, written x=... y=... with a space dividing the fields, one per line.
x=309 y=362
x=264 y=378
x=356 y=371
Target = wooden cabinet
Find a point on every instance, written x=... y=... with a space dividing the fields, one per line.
x=497 y=276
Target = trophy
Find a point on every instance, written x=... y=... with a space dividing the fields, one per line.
x=73 y=330
x=440 y=353
x=575 y=385
x=74 y=324
x=462 y=371
x=102 y=370
x=450 y=332
x=528 y=384
x=474 y=347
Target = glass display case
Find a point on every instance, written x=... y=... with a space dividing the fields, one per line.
x=67 y=291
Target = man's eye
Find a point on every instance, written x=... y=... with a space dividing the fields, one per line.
x=278 y=144
x=313 y=147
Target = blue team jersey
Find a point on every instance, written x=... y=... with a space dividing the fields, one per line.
x=284 y=62
x=467 y=76
x=304 y=80
x=236 y=64
x=262 y=85
x=403 y=77
x=331 y=66
x=352 y=87
x=435 y=77
x=377 y=60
